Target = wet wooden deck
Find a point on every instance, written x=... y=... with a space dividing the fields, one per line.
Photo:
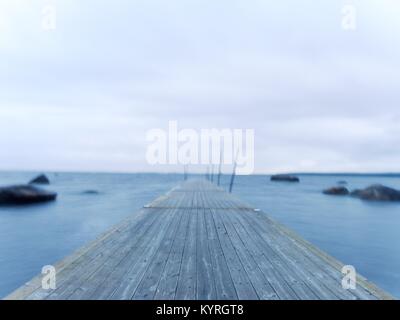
x=199 y=242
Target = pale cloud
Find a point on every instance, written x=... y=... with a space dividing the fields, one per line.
x=83 y=96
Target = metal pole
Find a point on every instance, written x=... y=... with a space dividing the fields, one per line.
x=232 y=178
x=233 y=173
x=220 y=166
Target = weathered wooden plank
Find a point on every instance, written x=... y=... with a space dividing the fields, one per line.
x=105 y=283
x=148 y=285
x=289 y=274
x=74 y=266
x=272 y=274
x=167 y=285
x=186 y=289
x=87 y=278
x=133 y=276
x=205 y=277
x=260 y=284
x=224 y=286
x=242 y=283
x=321 y=283
x=330 y=268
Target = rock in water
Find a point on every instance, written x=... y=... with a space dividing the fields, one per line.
x=284 y=177
x=92 y=192
x=24 y=194
x=377 y=192
x=337 y=191
x=41 y=179
x=342 y=182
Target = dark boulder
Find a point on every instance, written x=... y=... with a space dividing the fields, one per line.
x=41 y=179
x=24 y=194
x=377 y=192
x=285 y=177
x=337 y=191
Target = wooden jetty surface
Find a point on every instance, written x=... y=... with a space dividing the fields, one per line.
x=199 y=242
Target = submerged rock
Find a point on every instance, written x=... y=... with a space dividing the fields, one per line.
x=377 y=192
x=41 y=179
x=336 y=191
x=284 y=177
x=342 y=182
x=93 y=192
x=24 y=194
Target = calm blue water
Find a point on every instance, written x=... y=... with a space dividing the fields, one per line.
x=366 y=235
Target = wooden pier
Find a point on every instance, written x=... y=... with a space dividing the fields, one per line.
x=199 y=242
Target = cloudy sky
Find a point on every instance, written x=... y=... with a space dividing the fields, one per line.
x=81 y=97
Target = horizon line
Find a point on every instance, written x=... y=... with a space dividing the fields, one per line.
x=383 y=173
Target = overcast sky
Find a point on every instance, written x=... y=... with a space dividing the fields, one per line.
x=82 y=97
